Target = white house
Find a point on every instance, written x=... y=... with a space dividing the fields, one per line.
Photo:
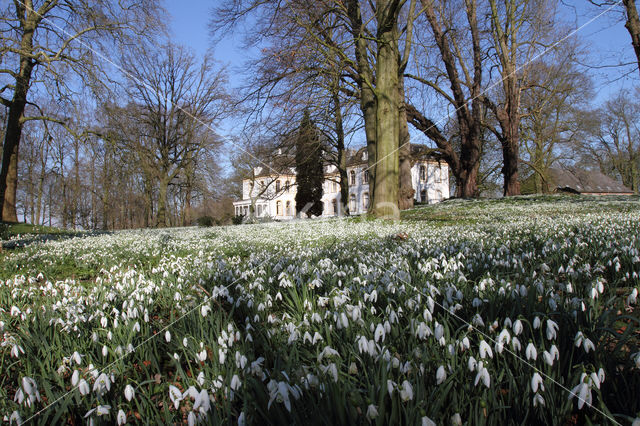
x=274 y=193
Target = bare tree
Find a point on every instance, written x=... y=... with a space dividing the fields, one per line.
x=173 y=104
x=54 y=38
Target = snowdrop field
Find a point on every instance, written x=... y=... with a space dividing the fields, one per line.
x=475 y=312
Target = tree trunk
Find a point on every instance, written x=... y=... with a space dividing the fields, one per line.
x=13 y=132
x=633 y=26
x=511 y=142
x=162 y=220
x=405 y=192
x=367 y=96
x=385 y=197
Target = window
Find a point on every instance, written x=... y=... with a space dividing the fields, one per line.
x=278 y=186
x=423 y=196
x=279 y=208
x=246 y=210
x=352 y=177
x=365 y=177
x=288 y=208
x=287 y=185
x=423 y=173
x=365 y=201
x=259 y=209
x=352 y=203
x=334 y=204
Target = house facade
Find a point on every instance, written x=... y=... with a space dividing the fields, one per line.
x=273 y=194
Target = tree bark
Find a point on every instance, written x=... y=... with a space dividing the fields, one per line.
x=162 y=220
x=406 y=192
x=385 y=198
x=633 y=26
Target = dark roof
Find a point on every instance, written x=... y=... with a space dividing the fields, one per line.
x=583 y=181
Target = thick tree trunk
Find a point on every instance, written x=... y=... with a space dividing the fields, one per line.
x=368 y=104
x=405 y=192
x=633 y=26
x=385 y=198
x=162 y=203
x=13 y=132
x=511 y=143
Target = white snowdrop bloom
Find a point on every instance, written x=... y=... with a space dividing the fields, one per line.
x=426 y=421
x=83 y=387
x=205 y=310
x=15 y=417
x=202 y=402
x=391 y=385
x=16 y=350
x=372 y=412
x=185 y=342
x=191 y=419
x=517 y=327
x=477 y=321
x=441 y=375
x=129 y=392
x=121 y=418
x=222 y=355
x=105 y=351
x=379 y=334
x=456 y=420
x=235 y=382
x=536 y=381
x=102 y=384
x=531 y=351
x=465 y=344
x=241 y=360
x=167 y=336
x=75 y=377
x=504 y=336
x=136 y=327
x=588 y=345
x=202 y=356
x=538 y=400
x=472 y=363
x=77 y=358
x=485 y=350
x=583 y=393
x=175 y=395
x=438 y=331
x=326 y=352
x=176 y=356
x=552 y=329
x=536 y=323
x=483 y=375
x=109 y=335
x=547 y=357
x=406 y=392
x=103 y=322
x=633 y=297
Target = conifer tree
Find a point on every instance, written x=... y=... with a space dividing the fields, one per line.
x=309 y=168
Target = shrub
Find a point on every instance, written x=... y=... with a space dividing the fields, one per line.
x=205 y=221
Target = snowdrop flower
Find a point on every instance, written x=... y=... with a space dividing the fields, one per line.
x=280 y=391
x=426 y=421
x=75 y=377
x=472 y=363
x=456 y=420
x=167 y=336
x=379 y=334
x=372 y=412
x=485 y=350
x=588 y=345
x=83 y=387
x=77 y=357
x=441 y=375
x=390 y=387
x=102 y=384
x=517 y=327
x=175 y=395
x=326 y=352
x=205 y=310
x=536 y=381
x=202 y=402
x=136 y=327
x=235 y=382
x=531 y=351
x=185 y=342
x=202 y=356
x=536 y=323
x=406 y=392
x=483 y=374
x=241 y=419
x=129 y=392
x=552 y=329
x=538 y=400
x=583 y=392
x=121 y=418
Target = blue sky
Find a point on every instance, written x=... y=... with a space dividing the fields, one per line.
x=605 y=37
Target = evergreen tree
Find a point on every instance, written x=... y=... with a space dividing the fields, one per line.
x=309 y=168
